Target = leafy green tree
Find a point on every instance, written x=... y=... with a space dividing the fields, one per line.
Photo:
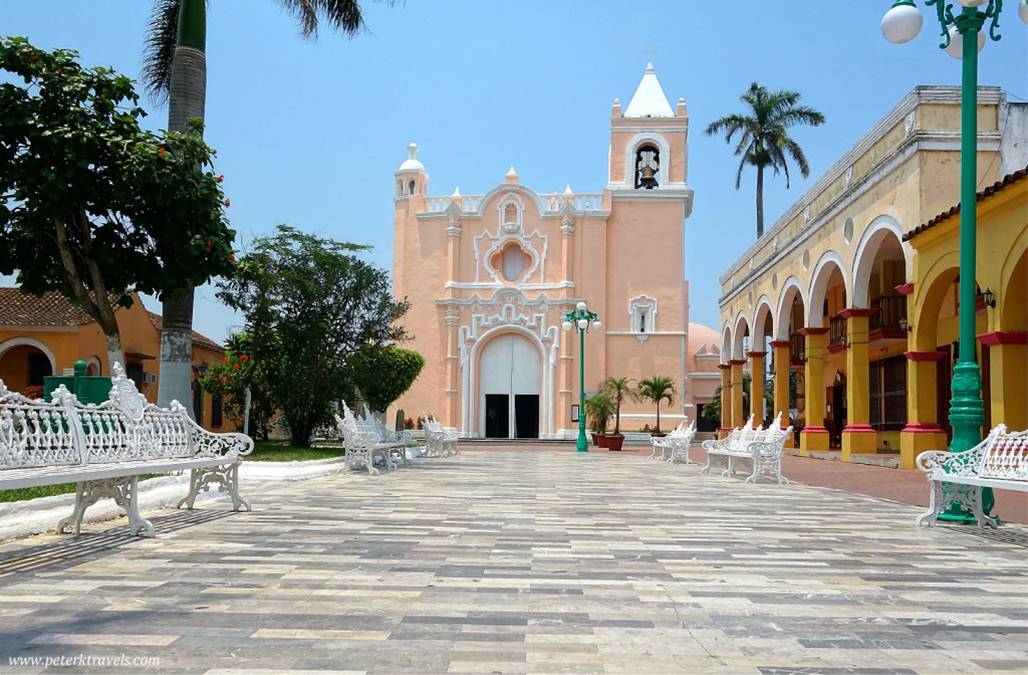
x=383 y=373
x=310 y=305
x=764 y=140
x=618 y=388
x=90 y=203
x=655 y=390
x=233 y=377
x=176 y=70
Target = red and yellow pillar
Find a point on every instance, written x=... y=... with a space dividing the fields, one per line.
x=737 y=364
x=922 y=431
x=858 y=437
x=726 y=399
x=757 y=386
x=814 y=435
x=1008 y=384
x=781 y=353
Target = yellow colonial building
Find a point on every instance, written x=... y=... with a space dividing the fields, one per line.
x=849 y=302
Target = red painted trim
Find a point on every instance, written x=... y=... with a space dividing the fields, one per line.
x=755 y=354
x=886 y=334
x=724 y=366
x=812 y=331
x=855 y=311
x=780 y=343
x=814 y=430
x=925 y=356
x=738 y=362
x=836 y=347
x=905 y=289
x=1004 y=337
x=859 y=429
x=922 y=428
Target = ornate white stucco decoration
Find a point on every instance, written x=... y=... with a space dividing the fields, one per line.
x=510 y=229
x=908 y=123
x=642 y=316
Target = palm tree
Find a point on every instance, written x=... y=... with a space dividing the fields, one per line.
x=618 y=388
x=657 y=389
x=764 y=139
x=176 y=70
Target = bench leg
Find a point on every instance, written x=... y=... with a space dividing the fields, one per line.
x=934 y=505
x=227 y=477
x=125 y=493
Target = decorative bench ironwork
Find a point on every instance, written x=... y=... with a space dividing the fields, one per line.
x=363 y=444
x=439 y=441
x=1000 y=462
x=763 y=447
x=105 y=448
x=675 y=446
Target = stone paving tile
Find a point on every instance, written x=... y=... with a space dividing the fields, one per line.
x=528 y=562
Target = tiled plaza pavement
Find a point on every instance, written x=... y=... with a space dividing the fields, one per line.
x=514 y=562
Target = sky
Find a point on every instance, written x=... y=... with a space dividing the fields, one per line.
x=309 y=132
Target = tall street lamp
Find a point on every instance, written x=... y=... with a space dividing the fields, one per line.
x=962 y=37
x=581 y=319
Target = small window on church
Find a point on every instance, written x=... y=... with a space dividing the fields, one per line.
x=643 y=312
x=513 y=263
x=647 y=167
x=399 y=188
x=410 y=187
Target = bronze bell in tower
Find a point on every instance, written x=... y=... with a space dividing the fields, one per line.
x=648 y=179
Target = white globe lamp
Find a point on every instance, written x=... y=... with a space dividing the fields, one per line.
x=902 y=22
x=956 y=43
x=971 y=3
x=580 y=307
x=566 y=326
x=583 y=324
x=597 y=324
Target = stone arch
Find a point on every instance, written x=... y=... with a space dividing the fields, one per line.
x=763 y=312
x=742 y=329
x=1013 y=300
x=829 y=262
x=648 y=138
x=726 y=343
x=791 y=290
x=881 y=229
x=936 y=282
x=11 y=343
x=471 y=420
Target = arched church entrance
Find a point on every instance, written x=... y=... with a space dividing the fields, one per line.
x=510 y=382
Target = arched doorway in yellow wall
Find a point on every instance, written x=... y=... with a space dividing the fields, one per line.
x=510 y=387
x=24 y=363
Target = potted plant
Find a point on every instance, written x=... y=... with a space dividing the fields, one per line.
x=599 y=409
x=617 y=388
x=655 y=390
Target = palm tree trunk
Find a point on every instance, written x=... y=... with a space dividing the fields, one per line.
x=658 y=416
x=760 y=202
x=186 y=100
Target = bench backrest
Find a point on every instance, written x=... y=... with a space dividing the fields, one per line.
x=39 y=433
x=1006 y=455
x=64 y=432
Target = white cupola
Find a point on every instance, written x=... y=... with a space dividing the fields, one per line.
x=411 y=177
x=412 y=163
x=649 y=99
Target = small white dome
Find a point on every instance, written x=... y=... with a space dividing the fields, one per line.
x=412 y=163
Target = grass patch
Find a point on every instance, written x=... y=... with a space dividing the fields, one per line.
x=21 y=494
x=281 y=451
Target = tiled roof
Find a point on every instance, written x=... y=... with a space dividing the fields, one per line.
x=53 y=309
x=49 y=309
x=198 y=340
x=998 y=186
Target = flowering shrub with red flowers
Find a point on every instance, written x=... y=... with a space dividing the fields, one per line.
x=230 y=379
x=34 y=391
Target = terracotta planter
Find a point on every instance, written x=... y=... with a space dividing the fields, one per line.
x=614 y=442
x=599 y=440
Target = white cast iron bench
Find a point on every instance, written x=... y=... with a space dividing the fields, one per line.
x=674 y=446
x=104 y=449
x=999 y=462
x=363 y=446
x=385 y=435
x=439 y=441
x=763 y=447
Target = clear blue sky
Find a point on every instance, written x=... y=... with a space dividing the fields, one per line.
x=309 y=132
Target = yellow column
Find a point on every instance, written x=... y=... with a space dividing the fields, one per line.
x=1008 y=363
x=757 y=386
x=922 y=431
x=814 y=435
x=858 y=437
x=726 y=400
x=737 y=420
x=783 y=364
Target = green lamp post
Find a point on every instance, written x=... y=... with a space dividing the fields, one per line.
x=581 y=319
x=962 y=38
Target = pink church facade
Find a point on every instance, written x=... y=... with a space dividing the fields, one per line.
x=490 y=276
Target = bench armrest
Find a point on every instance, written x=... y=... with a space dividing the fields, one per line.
x=765 y=449
x=209 y=444
x=953 y=463
x=714 y=445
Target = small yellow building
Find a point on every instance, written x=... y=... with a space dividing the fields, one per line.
x=45 y=335
x=851 y=295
